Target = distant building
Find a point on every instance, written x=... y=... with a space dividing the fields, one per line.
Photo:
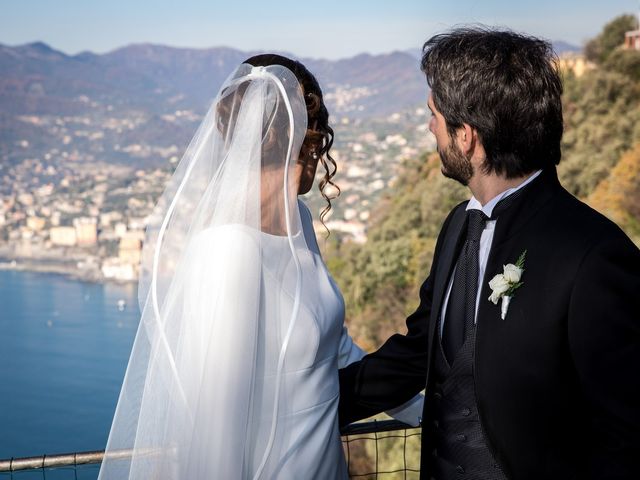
x=86 y=231
x=350 y=214
x=45 y=190
x=576 y=63
x=137 y=223
x=8 y=203
x=107 y=218
x=25 y=199
x=35 y=223
x=26 y=234
x=115 y=269
x=355 y=230
x=632 y=40
x=129 y=249
x=120 y=229
x=55 y=218
x=63 y=236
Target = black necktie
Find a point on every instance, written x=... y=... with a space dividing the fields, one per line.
x=461 y=308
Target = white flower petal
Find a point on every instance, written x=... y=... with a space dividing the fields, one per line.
x=499 y=284
x=494 y=298
x=512 y=273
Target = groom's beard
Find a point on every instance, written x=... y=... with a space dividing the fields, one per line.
x=455 y=164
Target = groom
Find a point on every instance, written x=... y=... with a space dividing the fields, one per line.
x=527 y=336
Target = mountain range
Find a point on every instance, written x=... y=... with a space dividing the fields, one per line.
x=37 y=79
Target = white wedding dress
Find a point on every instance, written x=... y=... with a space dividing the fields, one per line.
x=307 y=440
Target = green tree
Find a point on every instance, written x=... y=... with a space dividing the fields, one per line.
x=626 y=62
x=612 y=36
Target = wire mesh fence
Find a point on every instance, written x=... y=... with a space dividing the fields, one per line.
x=380 y=449
x=71 y=472
x=386 y=449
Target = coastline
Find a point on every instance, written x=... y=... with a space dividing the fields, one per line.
x=67 y=269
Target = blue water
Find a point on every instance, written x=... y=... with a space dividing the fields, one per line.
x=64 y=347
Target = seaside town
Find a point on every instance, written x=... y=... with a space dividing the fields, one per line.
x=67 y=207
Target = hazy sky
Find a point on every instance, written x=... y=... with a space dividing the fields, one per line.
x=323 y=28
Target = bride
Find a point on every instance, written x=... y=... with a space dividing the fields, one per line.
x=234 y=369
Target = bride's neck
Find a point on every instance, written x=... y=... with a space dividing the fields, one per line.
x=272 y=200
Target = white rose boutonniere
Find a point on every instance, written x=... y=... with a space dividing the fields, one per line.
x=504 y=285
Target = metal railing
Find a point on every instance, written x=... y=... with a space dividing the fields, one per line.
x=371 y=449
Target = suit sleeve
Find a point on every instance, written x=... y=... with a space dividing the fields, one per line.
x=349 y=352
x=396 y=372
x=604 y=337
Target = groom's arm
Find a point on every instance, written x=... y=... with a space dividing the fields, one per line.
x=391 y=375
x=604 y=337
x=397 y=371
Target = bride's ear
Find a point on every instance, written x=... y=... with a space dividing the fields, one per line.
x=307 y=165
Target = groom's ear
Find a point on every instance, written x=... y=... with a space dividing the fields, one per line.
x=466 y=136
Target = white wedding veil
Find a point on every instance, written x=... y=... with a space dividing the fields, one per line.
x=184 y=411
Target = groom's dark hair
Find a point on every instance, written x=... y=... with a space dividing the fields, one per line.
x=505 y=85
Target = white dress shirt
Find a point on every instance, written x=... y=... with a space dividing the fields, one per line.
x=485 y=242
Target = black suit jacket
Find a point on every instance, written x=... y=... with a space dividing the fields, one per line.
x=557 y=381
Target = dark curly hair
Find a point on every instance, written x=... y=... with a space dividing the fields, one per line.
x=505 y=85
x=319 y=136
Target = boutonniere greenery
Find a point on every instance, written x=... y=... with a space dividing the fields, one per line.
x=504 y=285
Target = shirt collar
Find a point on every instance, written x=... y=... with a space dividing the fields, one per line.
x=474 y=204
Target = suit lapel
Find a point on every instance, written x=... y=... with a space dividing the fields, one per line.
x=445 y=262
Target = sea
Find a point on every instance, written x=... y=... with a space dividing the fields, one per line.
x=64 y=348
